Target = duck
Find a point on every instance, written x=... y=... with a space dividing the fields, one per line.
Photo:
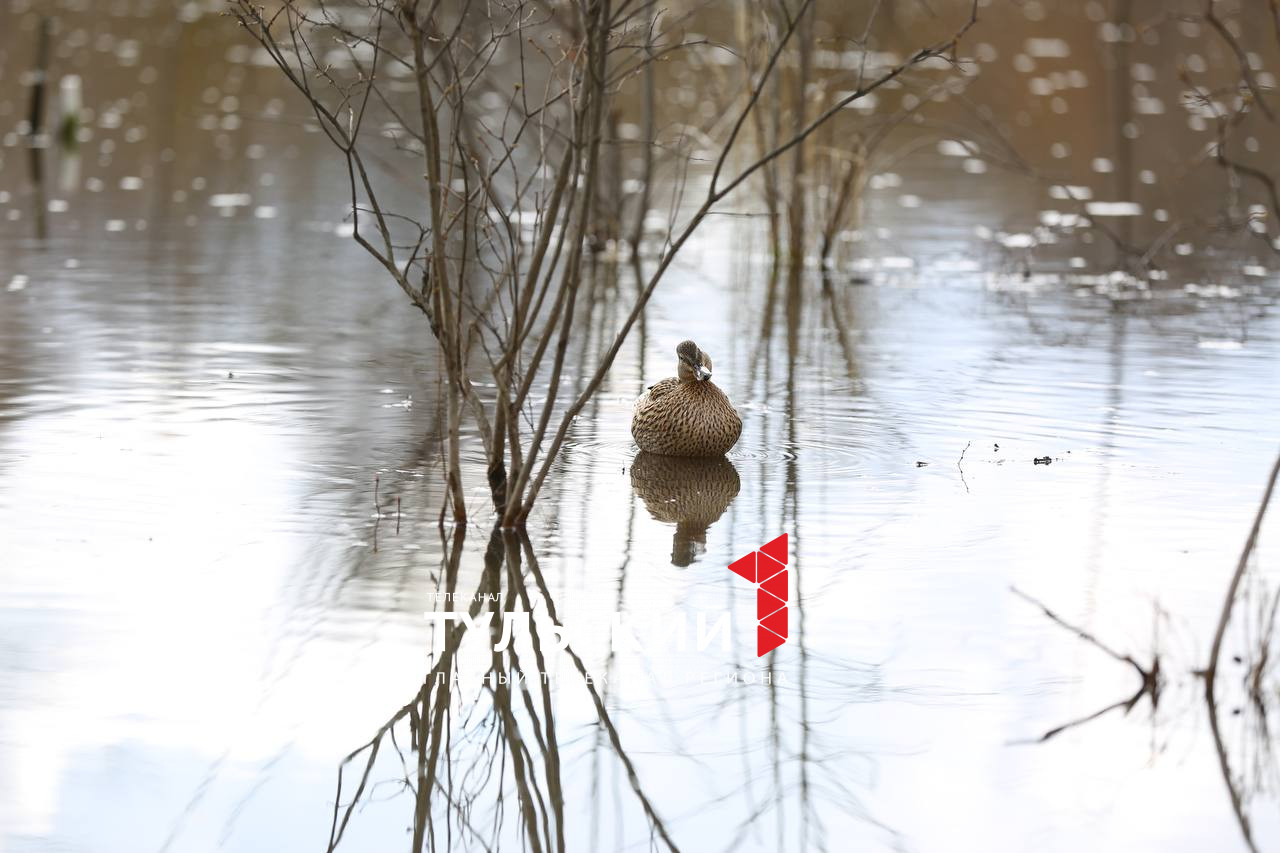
x=686 y=414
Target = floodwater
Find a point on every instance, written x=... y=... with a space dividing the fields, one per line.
x=219 y=492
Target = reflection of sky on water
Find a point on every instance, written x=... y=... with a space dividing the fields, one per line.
x=171 y=546
x=196 y=627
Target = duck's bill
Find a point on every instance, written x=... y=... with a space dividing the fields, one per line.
x=703 y=373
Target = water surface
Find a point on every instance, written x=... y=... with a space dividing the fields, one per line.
x=219 y=497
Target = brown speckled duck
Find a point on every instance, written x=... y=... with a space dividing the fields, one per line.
x=686 y=415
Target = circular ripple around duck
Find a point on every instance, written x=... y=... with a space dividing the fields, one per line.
x=740 y=455
x=600 y=452
x=823 y=456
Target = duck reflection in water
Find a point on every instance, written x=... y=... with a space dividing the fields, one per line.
x=689 y=492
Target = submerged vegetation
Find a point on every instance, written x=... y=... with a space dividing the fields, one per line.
x=511 y=112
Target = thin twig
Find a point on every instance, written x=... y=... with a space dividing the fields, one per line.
x=1228 y=603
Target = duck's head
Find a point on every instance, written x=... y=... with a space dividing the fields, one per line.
x=693 y=365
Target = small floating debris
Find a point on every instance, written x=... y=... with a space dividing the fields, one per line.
x=1042 y=460
x=920 y=464
x=18 y=282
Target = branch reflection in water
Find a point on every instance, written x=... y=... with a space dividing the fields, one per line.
x=1246 y=757
x=514 y=733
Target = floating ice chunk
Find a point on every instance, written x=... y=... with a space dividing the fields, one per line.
x=1113 y=208
x=1142 y=72
x=1048 y=48
x=1058 y=219
x=1149 y=106
x=230 y=200
x=1070 y=191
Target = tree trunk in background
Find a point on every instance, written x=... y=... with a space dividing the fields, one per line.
x=799 y=115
